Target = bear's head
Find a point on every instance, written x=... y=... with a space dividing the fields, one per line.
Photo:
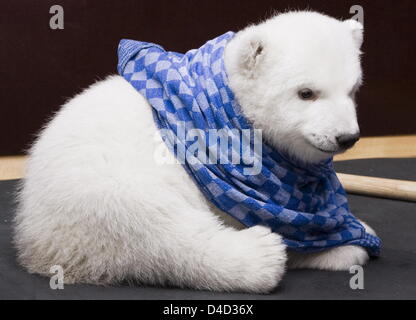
x=295 y=77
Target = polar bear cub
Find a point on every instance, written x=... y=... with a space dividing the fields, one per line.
x=95 y=202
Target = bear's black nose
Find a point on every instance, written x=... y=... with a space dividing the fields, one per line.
x=346 y=141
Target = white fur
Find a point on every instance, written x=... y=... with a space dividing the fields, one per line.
x=95 y=202
x=299 y=50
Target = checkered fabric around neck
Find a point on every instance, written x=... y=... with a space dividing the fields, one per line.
x=306 y=204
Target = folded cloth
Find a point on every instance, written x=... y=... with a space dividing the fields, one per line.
x=189 y=93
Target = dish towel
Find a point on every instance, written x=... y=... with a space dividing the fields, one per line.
x=305 y=204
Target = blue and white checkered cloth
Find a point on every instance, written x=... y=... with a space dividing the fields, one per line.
x=305 y=204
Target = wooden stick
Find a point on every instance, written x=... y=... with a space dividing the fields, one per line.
x=379 y=187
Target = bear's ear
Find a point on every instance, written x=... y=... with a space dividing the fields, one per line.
x=251 y=55
x=357 y=31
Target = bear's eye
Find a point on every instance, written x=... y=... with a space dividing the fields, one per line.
x=306 y=94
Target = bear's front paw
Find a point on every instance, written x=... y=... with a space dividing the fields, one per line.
x=251 y=260
x=264 y=257
x=339 y=258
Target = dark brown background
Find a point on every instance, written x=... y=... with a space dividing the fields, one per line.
x=41 y=68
